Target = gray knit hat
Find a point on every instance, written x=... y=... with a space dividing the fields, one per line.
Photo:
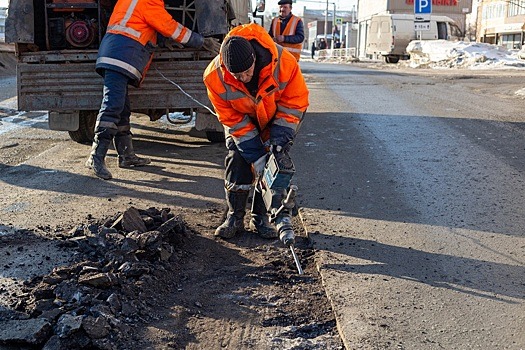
x=237 y=54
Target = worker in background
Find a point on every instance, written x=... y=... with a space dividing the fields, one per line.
x=288 y=30
x=123 y=58
x=260 y=97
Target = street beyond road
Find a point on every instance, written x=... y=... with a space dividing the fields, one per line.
x=412 y=182
x=410 y=187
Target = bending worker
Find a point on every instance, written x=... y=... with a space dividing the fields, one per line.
x=287 y=29
x=123 y=58
x=260 y=97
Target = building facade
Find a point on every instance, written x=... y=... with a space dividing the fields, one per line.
x=455 y=9
x=501 y=22
x=314 y=23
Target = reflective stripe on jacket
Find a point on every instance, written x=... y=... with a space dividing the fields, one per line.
x=142 y=19
x=295 y=49
x=124 y=55
x=280 y=101
x=133 y=25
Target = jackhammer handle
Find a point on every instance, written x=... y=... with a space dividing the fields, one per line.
x=289 y=201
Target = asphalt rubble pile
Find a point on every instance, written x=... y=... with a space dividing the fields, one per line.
x=94 y=303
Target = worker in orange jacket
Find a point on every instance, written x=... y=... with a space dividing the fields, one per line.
x=287 y=29
x=260 y=96
x=123 y=58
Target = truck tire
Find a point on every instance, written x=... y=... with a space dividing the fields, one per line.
x=391 y=59
x=215 y=136
x=86 y=127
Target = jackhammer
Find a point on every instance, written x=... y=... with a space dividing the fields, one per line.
x=279 y=197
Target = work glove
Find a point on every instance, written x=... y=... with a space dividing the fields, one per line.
x=258 y=165
x=172 y=45
x=282 y=156
x=212 y=44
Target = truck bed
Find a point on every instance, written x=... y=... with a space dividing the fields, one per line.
x=43 y=75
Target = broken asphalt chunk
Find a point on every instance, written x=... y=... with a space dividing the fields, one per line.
x=31 y=331
x=132 y=221
x=99 y=280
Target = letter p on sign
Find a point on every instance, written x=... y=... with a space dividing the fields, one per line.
x=422 y=7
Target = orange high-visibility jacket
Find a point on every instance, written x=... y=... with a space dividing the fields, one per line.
x=295 y=49
x=134 y=24
x=281 y=98
x=142 y=19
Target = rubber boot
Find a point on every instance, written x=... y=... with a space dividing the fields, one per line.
x=96 y=160
x=259 y=221
x=126 y=155
x=234 y=222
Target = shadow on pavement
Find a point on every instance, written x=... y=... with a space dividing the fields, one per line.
x=489 y=280
x=448 y=172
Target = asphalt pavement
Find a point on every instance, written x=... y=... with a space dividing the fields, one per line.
x=412 y=198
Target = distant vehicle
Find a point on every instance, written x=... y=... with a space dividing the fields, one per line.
x=389 y=35
x=327 y=38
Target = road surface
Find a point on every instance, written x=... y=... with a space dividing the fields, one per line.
x=411 y=186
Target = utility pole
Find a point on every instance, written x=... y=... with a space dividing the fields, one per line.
x=333 y=28
x=326 y=22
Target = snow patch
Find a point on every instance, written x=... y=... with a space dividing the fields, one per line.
x=520 y=92
x=442 y=54
x=18 y=121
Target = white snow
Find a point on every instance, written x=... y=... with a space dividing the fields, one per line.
x=20 y=121
x=442 y=54
x=520 y=92
x=177 y=120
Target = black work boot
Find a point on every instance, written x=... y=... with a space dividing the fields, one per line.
x=126 y=155
x=259 y=221
x=99 y=149
x=235 y=218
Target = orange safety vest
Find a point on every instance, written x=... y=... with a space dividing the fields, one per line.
x=141 y=20
x=281 y=98
x=295 y=49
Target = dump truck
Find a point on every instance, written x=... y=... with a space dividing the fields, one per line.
x=56 y=45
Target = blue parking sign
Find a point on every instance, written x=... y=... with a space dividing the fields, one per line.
x=422 y=7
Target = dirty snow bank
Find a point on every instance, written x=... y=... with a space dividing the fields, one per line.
x=440 y=54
